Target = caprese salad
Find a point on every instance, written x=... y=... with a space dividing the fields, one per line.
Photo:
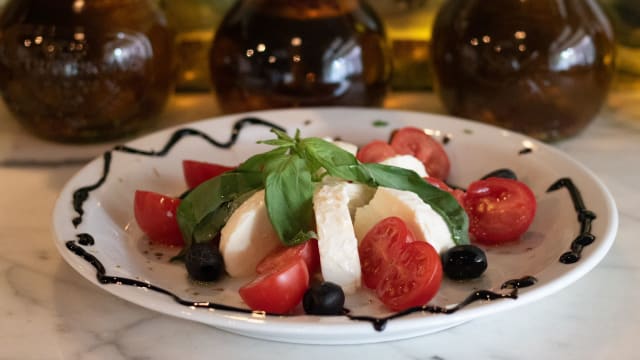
x=314 y=219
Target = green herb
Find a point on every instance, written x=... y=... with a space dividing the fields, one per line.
x=380 y=123
x=211 y=196
x=289 y=200
x=289 y=174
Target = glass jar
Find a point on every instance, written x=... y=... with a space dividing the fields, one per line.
x=409 y=24
x=283 y=53
x=195 y=22
x=540 y=67
x=79 y=71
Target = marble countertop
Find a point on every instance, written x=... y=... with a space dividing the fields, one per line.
x=50 y=312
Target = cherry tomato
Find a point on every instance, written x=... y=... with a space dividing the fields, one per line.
x=500 y=210
x=375 y=151
x=403 y=272
x=279 y=290
x=412 y=280
x=197 y=172
x=156 y=216
x=308 y=252
x=375 y=249
x=457 y=193
x=416 y=142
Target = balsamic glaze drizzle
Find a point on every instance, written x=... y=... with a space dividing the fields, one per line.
x=81 y=195
x=585 y=217
x=379 y=323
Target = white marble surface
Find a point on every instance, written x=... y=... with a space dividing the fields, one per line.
x=50 y=312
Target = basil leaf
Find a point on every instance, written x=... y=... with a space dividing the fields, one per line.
x=441 y=201
x=264 y=162
x=210 y=196
x=289 y=200
x=207 y=229
x=325 y=153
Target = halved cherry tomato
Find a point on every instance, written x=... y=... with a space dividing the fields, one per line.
x=308 y=252
x=156 y=216
x=414 y=279
x=457 y=193
x=416 y=142
x=375 y=249
x=279 y=290
x=500 y=210
x=375 y=151
x=403 y=272
x=197 y=172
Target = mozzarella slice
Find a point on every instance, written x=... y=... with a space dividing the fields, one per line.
x=247 y=237
x=408 y=162
x=425 y=223
x=333 y=204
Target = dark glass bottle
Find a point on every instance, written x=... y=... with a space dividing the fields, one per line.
x=283 y=53
x=80 y=71
x=540 y=67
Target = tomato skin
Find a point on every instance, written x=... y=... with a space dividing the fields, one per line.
x=377 y=249
x=403 y=272
x=375 y=152
x=414 y=279
x=308 y=252
x=279 y=290
x=414 y=141
x=156 y=215
x=500 y=210
x=197 y=172
x=457 y=193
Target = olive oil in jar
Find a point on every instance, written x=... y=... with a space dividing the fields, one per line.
x=83 y=71
x=542 y=67
x=284 y=53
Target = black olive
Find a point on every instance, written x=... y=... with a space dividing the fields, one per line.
x=502 y=173
x=204 y=262
x=464 y=262
x=326 y=298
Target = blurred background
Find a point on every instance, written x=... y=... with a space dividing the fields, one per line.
x=81 y=71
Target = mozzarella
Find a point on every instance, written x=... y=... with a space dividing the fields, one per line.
x=425 y=223
x=408 y=162
x=247 y=237
x=333 y=205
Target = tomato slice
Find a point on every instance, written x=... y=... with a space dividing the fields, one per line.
x=500 y=210
x=278 y=291
x=457 y=193
x=375 y=151
x=413 y=279
x=197 y=172
x=402 y=271
x=414 y=141
x=156 y=215
x=376 y=249
x=308 y=252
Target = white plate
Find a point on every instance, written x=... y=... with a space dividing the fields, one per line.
x=474 y=149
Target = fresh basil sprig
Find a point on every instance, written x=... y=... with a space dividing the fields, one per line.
x=289 y=174
x=344 y=165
